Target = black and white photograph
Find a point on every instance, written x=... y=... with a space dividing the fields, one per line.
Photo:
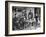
x=24 y=18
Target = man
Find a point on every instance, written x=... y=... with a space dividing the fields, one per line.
x=30 y=15
x=36 y=17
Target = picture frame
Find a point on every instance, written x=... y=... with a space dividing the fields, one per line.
x=15 y=9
